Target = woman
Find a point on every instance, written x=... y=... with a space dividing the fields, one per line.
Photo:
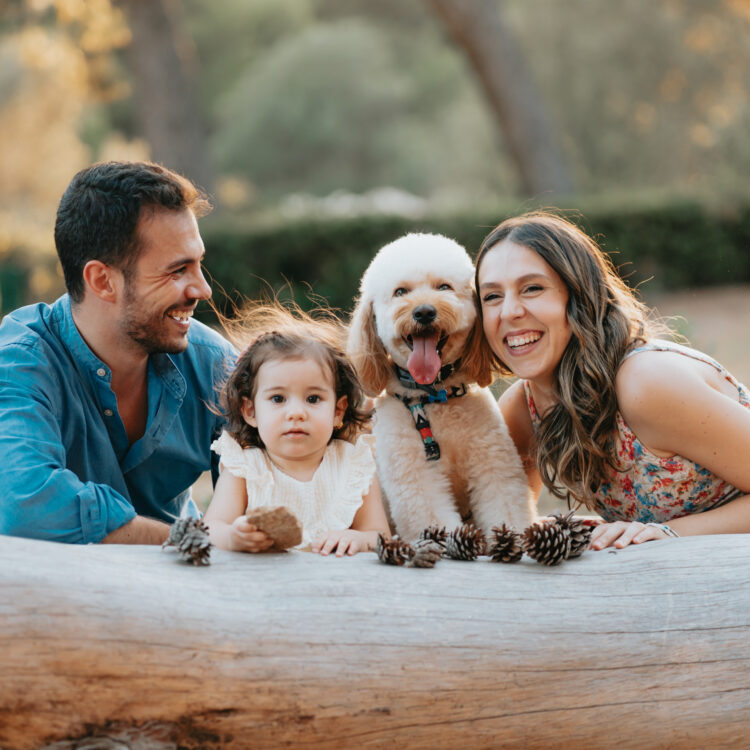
x=641 y=430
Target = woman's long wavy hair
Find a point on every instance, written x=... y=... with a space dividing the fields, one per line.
x=574 y=439
x=267 y=331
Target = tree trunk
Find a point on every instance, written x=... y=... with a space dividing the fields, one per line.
x=164 y=66
x=645 y=647
x=479 y=29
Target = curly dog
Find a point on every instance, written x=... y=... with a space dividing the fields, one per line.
x=443 y=450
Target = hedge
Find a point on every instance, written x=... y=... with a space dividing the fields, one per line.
x=676 y=245
x=673 y=244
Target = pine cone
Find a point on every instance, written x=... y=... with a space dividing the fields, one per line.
x=394 y=551
x=434 y=533
x=190 y=537
x=426 y=553
x=176 y=532
x=465 y=543
x=505 y=545
x=580 y=532
x=547 y=542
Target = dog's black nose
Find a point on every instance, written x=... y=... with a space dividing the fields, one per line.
x=424 y=314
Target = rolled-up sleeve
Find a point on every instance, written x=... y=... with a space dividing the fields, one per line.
x=39 y=497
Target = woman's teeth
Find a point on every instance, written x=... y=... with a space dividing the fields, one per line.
x=528 y=338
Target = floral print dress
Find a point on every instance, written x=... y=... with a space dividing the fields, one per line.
x=646 y=487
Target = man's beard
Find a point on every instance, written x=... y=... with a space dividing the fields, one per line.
x=149 y=329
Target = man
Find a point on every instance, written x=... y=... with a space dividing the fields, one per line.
x=104 y=395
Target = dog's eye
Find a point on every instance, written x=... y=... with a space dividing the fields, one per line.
x=445 y=287
x=400 y=292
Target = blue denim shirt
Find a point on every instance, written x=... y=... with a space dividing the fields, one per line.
x=67 y=470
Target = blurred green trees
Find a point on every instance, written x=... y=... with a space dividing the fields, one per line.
x=646 y=93
x=353 y=104
x=314 y=96
x=318 y=109
x=643 y=94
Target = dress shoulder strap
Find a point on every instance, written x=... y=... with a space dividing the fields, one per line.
x=662 y=345
x=533 y=413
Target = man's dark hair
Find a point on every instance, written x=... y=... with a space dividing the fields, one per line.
x=99 y=211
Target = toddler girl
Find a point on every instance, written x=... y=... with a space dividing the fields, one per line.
x=294 y=418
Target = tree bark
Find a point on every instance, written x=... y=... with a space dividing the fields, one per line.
x=478 y=27
x=164 y=67
x=645 y=647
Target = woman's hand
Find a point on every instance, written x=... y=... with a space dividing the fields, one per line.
x=622 y=533
x=244 y=537
x=346 y=542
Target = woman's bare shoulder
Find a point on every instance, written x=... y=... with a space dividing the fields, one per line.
x=648 y=381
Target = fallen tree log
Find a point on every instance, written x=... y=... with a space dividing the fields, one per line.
x=645 y=647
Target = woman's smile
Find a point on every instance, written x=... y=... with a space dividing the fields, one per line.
x=521 y=342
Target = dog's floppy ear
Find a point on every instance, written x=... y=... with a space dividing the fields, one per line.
x=365 y=349
x=477 y=358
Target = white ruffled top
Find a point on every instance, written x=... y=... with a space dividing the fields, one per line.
x=327 y=502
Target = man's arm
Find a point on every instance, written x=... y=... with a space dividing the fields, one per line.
x=39 y=497
x=139 y=531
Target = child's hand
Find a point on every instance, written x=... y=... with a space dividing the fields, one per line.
x=244 y=537
x=347 y=542
x=621 y=533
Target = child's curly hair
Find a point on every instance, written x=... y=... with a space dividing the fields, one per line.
x=275 y=331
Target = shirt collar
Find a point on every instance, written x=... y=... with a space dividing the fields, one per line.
x=97 y=371
x=84 y=359
x=170 y=374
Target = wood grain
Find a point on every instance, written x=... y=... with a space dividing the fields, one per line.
x=646 y=647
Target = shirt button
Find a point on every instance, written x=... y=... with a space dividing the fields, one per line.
x=108 y=412
x=101 y=372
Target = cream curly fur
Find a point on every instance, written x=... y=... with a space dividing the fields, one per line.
x=479 y=469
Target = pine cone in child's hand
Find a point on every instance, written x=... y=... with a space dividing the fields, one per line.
x=426 y=553
x=505 y=545
x=190 y=537
x=465 y=543
x=284 y=528
x=580 y=532
x=394 y=551
x=547 y=542
x=434 y=533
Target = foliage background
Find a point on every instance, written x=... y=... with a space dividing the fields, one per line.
x=331 y=126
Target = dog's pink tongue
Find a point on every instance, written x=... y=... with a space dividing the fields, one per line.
x=424 y=362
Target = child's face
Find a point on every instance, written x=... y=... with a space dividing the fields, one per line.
x=295 y=409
